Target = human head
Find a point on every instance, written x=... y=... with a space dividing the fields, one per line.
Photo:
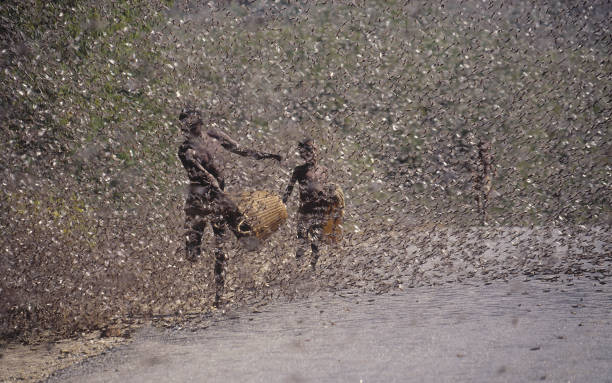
x=307 y=150
x=484 y=145
x=191 y=120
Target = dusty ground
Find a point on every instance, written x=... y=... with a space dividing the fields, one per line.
x=33 y=363
x=37 y=361
x=520 y=330
x=435 y=259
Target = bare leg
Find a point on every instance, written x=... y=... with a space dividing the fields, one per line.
x=315 y=255
x=196 y=212
x=302 y=237
x=194 y=229
x=219 y=276
x=314 y=236
x=485 y=198
x=220 y=260
x=480 y=205
x=485 y=202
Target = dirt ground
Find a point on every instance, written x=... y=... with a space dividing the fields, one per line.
x=33 y=363
x=520 y=330
x=433 y=260
x=36 y=361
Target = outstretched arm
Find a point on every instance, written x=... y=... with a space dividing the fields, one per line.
x=229 y=144
x=290 y=187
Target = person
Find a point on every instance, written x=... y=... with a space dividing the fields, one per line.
x=316 y=196
x=483 y=178
x=201 y=153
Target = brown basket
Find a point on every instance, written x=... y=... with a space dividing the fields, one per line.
x=332 y=228
x=263 y=213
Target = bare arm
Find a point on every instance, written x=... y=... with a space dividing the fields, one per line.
x=190 y=155
x=229 y=144
x=290 y=187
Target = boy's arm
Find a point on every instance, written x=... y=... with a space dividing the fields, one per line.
x=229 y=144
x=191 y=157
x=290 y=187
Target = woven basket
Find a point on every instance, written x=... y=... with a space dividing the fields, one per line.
x=262 y=211
x=332 y=228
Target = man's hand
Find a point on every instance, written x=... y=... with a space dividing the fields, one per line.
x=276 y=157
x=263 y=156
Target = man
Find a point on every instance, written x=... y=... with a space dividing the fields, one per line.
x=201 y=155
x=483 y=178
x=316 y=198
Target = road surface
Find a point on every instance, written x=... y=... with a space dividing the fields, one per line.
x=515 y=331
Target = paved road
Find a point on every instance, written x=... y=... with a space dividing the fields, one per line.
x=517 y=331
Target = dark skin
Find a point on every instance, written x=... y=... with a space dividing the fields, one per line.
x=311 y=177
x=199 y=154
x=315 y=200
x=484 y=173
